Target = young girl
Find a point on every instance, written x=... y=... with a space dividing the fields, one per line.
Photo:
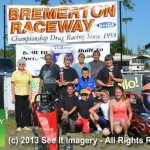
x=120 y=112
x=102 y=120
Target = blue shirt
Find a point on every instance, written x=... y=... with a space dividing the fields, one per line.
x=78 y=69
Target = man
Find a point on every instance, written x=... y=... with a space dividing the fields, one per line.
x=96 y=64
x=110 y=76
x=49 y=74
x=69 y=76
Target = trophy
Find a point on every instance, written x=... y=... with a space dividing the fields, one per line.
x=61 y=76
x=110 y=81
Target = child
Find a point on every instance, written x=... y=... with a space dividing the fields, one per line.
x=67 y=103
x=83 y=107
x=103 y=120
x=85 y=82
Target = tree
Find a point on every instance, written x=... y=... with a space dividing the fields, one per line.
x=115 y=47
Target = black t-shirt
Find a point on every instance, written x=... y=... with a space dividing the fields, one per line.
x=68 y=103
x=49 y=74
x=70 y=74
x=83 y=108
x=103 y=75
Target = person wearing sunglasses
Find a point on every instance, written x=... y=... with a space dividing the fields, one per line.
x=21 y=89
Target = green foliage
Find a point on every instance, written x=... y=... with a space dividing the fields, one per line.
x=10 y=53
x=115 y=47
x=146 y=66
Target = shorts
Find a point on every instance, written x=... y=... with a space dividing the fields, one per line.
x=104 y=123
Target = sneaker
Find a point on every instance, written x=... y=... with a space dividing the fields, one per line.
x=97 y=132
x=18 y=129
x=26 y=129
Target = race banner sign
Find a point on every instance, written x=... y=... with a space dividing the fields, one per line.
x=34 y=54
x=74 y=23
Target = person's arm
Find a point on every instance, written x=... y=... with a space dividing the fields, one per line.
x=111 y=115
x=119 y=80
x=13 y=92
x=79 y=116
x=129 y=111
x=30 y=91
x=72 y=110
x=64 y=111
x=92 y=111
x=101 y=83
x=40 y=86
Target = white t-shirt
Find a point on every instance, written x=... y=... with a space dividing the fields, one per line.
x=105 y=109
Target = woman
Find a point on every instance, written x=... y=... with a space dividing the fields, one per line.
x=78 y=66
x=120 y=113
x=21 y=94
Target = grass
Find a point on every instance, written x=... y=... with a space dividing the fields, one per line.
x=12 y=133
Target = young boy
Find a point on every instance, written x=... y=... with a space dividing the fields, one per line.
x=83 y=107
x=85 y=82
x=103 y=120
x=67 y=103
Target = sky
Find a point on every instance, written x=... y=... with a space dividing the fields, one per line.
x=137 y=31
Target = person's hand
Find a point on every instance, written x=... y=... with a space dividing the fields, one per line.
x=60 y=84
x=65 y=83
x=65 y=112
x=79 y=117
x=30 y=97
x=96 y=117
x=13 y=100
x=128 y=122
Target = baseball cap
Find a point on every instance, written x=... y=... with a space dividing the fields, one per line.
x=84 y=91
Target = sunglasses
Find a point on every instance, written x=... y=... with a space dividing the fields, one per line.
x=84 y=94
x=21 y=64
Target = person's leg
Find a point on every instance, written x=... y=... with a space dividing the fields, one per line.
x=105 y=132
x=86 y=127
x=79 y=123
x=124 y=126
x=117 y=128
x=18 y=110
x=64 y=122
x=95 y=123
x=25 y=111
x=72 y=126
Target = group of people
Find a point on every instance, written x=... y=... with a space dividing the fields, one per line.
x=89 y=93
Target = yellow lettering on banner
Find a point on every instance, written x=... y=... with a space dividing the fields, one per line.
x=74 y=12
x=25 y=12
x=77 y=26
x=128 y=84
x=51 y=26
x=99 y=14
x=65 y=26
x=62 y=13
x=49 y=13
x=111 y=11
x=36 y=13
x=27 y=27
x=16 y=26
x=13 y=14
x=36 y=26
x=131 y=84
x=88 y=25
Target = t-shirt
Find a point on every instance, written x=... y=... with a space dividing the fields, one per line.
x=68 y=103
x=79 y=70
x=103 y=75
x=49 y=74
x=83 y=108
x=96 y=67
x=88 y=84
x=105 y=109
x=70 y=74
x=22 y=82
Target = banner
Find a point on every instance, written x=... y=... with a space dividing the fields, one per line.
x=2 y=128
x=34 y=54
x=132 y=83
x=74 y=23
